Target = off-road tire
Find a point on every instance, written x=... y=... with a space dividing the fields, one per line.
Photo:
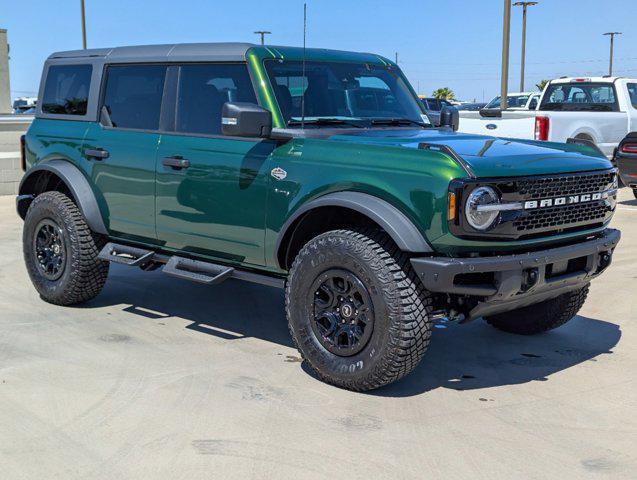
x=402 y=324
x=84 y=275
x=541 y=317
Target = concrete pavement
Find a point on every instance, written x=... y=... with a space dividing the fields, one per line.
x=161 y=378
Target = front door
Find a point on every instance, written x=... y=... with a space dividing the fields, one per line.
x=122 y=155
x=212 y=190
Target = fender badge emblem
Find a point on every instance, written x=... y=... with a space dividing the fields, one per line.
x=278 y=173
x=492 y=126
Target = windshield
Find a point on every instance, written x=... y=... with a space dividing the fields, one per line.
x=581 y=96
x=344 y=93
x=513 y=101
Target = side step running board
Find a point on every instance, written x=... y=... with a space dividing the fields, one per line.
x=186 y=268
x=197 y=271
x=131 y=256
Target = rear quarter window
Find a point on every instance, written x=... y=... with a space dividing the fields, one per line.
x=66 y=89
x=632 y=92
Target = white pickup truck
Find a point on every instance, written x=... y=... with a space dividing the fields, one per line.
x=599 y=109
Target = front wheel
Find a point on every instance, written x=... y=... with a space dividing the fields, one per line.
x=540 y=317
x=356 y=311
x=60 y=251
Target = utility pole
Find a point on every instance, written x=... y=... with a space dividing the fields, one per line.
x=396 y=54
x=83 y=25
x=524 y=6
x=506 y=35
x=263 y=33
x=612 y=41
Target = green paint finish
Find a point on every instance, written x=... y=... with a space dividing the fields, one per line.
x=54 y=139
x=125 y=180
x=416 y=182
x=215 y=207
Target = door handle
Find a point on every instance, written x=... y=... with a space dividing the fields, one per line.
x=175 y=162
x=96 y=153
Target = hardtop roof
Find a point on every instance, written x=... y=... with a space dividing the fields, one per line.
x=209 y=52
x=229 y=51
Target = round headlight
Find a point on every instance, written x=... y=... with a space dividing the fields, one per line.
x=481 y=219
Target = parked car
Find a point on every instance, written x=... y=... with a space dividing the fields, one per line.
x=516 y=101
x=310 y=170
x=24 y=105
x=471 y=107
x=625 y=159
x=433 y=106
x=601 y=110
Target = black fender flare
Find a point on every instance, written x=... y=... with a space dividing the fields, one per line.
x=397 y=225
x=77 y=184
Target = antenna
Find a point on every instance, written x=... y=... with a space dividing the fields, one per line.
x=303 y=75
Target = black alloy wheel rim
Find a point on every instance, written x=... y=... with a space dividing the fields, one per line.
x=343 y=315
x=50 y=250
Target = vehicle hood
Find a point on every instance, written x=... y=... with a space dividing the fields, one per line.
x=490 y=156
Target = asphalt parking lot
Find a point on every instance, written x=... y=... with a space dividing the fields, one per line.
x=161 y=378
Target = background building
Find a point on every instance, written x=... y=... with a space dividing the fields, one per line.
x=5 y=97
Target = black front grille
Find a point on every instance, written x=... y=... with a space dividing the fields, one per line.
x=560 y=185
x=556 y=217
x=571 y=214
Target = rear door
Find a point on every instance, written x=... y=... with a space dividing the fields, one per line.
x=214 y=203
x=123 y=154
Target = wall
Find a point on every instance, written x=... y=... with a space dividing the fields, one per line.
x=10 y=171
x=5 y=95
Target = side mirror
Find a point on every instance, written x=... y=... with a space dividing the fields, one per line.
x=450 y=117
x=239 y=119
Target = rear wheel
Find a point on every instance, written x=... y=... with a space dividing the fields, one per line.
x=60 y=251
x=635 y=192
x=540 y=317
x=357 y=312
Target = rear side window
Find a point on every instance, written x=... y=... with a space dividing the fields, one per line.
x=202 y=91
x=66 y=89
x=632 y=91
x=133 y=95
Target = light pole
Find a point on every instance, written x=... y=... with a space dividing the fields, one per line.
x=506 y=35
x=612 y=41
x=524 y=6
x=83 y=25
x=263 y=33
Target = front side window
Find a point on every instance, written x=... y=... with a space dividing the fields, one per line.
x=133 y=95
x=342 y=92
x=202 y=91
x=580 y=96
x=66 y=89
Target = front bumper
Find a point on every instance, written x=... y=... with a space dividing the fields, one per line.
x=507 y=282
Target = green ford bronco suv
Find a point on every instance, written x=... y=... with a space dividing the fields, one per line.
x=312 y=170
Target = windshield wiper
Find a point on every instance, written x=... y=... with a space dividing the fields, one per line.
x=327 y=121
x=397 y=122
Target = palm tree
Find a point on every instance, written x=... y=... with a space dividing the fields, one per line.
x=444 y=93
x=540 y=86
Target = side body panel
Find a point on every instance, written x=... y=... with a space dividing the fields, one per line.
x=55 y=139
x=215 y=207
x=125 y=181
x=415 y=182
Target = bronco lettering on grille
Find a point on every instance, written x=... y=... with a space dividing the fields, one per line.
x=559 y=201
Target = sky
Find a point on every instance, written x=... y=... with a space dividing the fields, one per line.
x=452 y=43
